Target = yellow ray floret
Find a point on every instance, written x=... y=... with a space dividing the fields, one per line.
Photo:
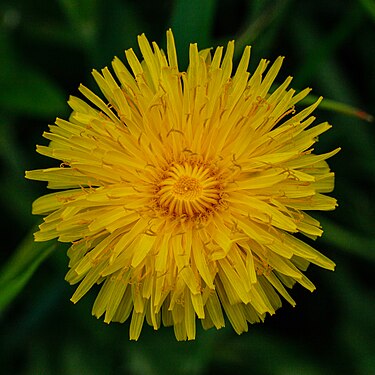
x=182 y=192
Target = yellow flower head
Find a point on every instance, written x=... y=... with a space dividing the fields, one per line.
x=181 y=191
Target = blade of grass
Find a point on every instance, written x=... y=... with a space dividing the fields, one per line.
x=262 y=22
x=83 y=17
x=21 y=266
x=352 y=243
x=339 y=107
x=369 y=6
x=323 y=47
x=192 y=21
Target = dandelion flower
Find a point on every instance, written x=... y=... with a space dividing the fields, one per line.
x=181 y=192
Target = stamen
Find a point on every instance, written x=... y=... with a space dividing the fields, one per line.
x=188 y=190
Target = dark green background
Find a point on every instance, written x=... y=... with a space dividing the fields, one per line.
x=48 y=47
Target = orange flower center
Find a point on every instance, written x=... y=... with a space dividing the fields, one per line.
x=189 y=190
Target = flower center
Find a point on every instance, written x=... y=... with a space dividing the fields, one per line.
x=188 y=190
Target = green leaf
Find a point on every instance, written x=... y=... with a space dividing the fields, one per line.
x=321 y=47
x=18 y=270
x=159 y=353
x=25 y=90
x=263 y=26
x=83 y=17
x=191 y=22
x=369 y=6
x=28 y=91
x=348 y=241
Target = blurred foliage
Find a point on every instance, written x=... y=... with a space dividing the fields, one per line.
x=48 y=48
